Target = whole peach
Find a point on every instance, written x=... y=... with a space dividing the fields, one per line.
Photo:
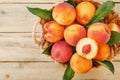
x=114 y=27
x=103 y=52
x=64 y=13
x=99 y=32
x=53 y=31
x=80 y=64
x=61 y=52
x=74 y=33
x=85 y=12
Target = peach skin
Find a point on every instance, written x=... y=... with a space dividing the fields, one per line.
x=74 y=33
x=61 y=51
x=80 y=64
x=64 y=13
x=114 y=27
x=53 y=31
x=85 y=11
x=103 y=52
x=100 y=32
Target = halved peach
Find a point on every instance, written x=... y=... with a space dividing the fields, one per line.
x=87 y=48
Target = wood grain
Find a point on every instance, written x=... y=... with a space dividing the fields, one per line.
x=21 y=58
x=51 y=71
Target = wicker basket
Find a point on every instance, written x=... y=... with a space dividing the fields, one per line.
x=112 y=17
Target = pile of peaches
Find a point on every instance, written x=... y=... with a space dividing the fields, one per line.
x=67 y=31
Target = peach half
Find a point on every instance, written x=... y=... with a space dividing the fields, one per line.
x=103 y=52
x=64 y=13
x=53 y=31
x=74 y=33
x=114 y=27
x=85 y=11
x=100 y=32
x=61 y=52
x=87 y=48
x=80 y=64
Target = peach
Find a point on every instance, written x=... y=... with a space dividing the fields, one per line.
x=53 y=31
x=80 y=64
x=61 y=52
x=64 y=13
x=114 y=27
x=100 y=32
x=74 y=33
x=103 y=52
x=85 y=11
x=87 y=48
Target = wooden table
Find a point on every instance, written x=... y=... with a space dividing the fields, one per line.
x=21 y=58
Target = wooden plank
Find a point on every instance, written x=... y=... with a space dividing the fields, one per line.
x=16 y=18
x=51 y=71
x=20 y=47
x=29 y=1
x=39 y=1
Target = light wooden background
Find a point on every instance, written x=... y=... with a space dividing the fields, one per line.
x=20 y=57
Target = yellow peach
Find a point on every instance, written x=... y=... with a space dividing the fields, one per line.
x=80 y=64
x=85 y=12
x=74 y=33
x=64 y=13
x=53 y=31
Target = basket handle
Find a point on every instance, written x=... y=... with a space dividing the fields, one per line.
x=34 y=33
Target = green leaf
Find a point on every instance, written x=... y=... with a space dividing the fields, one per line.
x=107 y=64
x=47 y=51
x=115 y=38
x=69 y=73
x=102 y=12
x=42 y=13
x=71 y=2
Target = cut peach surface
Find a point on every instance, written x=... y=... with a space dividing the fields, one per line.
x=74 y=33
x=85 y=12
x=80 y=64
x=53 y=31
x=87 y=48
x=103 y=52
x=64 y=13
x=61 y=52
x=100 y=32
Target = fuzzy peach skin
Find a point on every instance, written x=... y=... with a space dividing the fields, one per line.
x=85 y=11
x=64 y=13
x=80 y=64
x=87 y=48
x=114 y=27
x=103 y=52
x=74 y=33
x=53 y=31
x=61 y=52
x=100 y=32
